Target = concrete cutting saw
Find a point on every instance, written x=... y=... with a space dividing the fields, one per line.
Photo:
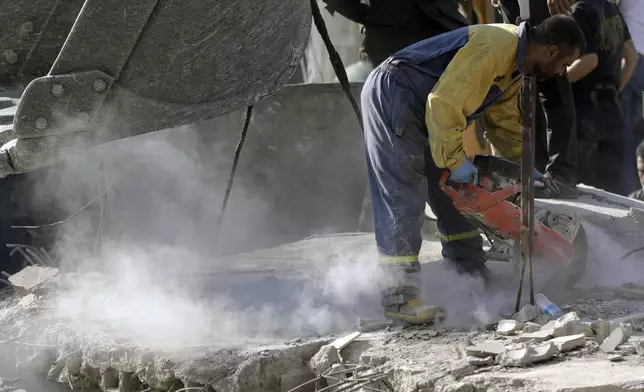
x=493 y=205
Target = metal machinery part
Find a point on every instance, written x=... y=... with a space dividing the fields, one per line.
x=116 y=69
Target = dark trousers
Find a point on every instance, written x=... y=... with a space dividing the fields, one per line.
x=631 y=100
x=556 y=133
x=403 y=176
x=601 y=147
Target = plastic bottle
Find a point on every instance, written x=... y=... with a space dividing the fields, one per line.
x=547 y=307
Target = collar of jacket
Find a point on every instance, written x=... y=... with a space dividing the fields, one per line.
x=523 y=32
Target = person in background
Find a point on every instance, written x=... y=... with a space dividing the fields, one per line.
x=389 y=26
x=631 y=94
x=639 y=160
x=556 y=144
x=597 y=77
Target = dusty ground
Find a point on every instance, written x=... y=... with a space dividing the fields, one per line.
x=253 y=323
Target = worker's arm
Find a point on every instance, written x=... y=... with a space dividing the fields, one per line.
x=588 y=20
x=460 y=90
x=582 y=67
x=629 y=62
x=502 y=123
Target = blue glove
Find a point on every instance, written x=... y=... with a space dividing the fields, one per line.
x=537 y=175
x=465 y=173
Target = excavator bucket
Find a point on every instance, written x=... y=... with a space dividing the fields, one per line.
x=100 y=70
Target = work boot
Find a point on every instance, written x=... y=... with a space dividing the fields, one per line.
x=402 y=304
x=556 y=187
x=475 y=269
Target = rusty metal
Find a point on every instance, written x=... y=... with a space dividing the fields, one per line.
x=528 y=97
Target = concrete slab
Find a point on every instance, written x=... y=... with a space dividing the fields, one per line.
x=580 y=375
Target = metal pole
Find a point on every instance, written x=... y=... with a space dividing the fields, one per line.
x=528 y=96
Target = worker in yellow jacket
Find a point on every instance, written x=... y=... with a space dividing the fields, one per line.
x=416 y=105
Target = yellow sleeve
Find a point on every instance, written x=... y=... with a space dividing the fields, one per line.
x=460 y=90
x=502 y=123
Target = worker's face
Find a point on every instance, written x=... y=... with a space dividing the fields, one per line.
x=640 y=170
x=554 y=62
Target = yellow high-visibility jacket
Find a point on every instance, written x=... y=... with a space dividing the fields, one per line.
x=470 y=73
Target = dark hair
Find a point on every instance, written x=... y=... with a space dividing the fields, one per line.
x=640 y=150
x=560 y=30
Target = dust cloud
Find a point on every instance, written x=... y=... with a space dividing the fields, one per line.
x=153 y=281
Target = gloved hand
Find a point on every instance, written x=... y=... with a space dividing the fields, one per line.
x=465 y=173
x=537 y=175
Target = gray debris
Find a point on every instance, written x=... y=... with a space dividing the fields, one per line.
x=549 y=326
x=542 y=320
x=538 y=336
x=528 y=355
x=324 y=359
x=462 y=368
x=485 y=349
x=602 y=330
x=630 y=291
x=627 y=349
x=476 y=361
x=568 y=324
x=639 y=346
x=568 y=343
x=616 y=357
x=612 y=341
x=635 y=319
x=508 y=327
x=530 y=327
x=527 y=313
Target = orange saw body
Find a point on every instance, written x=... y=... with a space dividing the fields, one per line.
x=493 y=206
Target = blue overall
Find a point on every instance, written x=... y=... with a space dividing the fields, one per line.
x=403 y=175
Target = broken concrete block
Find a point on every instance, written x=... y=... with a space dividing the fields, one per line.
x=549 y=326
x=639 y=346
x=324 y=359
x=602 y=330
x=527 y=313
x=462 y=368
x=538 y=336
x=508 y=327
x=635 y=319
x=528 y=355
x=567 y=343
x=628 y=331
x=612 y=341
x=587 y=329
x=628 y=349
x=616 y=357
x=542 y=320
x=460 y=387
x=568 y=324
x=485 y=349
x=475 y=361
x=531 y=327
x=344 y=341
x=27 y=300
x=591 y=347
x=31 y=277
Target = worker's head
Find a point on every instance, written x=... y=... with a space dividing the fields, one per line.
x=554 y=45
x=640 y=163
